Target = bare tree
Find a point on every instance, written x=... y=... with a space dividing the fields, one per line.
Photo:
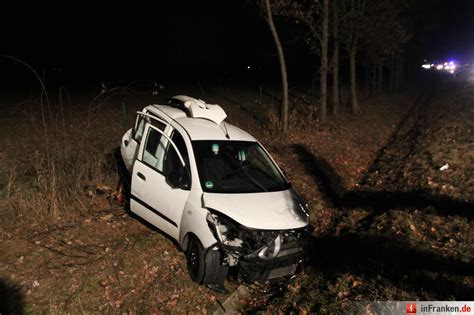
x=384 y=45
x=324 y=61
x=335 y=58
x=372 y=28
x=375 y=27
x=353 y=28
x=314 y=16
x=281 y=58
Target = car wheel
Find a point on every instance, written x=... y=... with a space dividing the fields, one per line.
x=196 y=262
x=205 y=266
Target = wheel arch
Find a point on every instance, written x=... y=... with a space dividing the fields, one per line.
x=212 y=271
x=206 y=245
x=193 y=222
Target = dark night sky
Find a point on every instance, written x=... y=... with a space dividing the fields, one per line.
x=125 y=32
x=443 y=29
x=132 y=32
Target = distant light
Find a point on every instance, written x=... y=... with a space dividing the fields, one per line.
x=426 y=66
x=451 y=63
x=248 y=67
x=439 y=67
x=445 y=63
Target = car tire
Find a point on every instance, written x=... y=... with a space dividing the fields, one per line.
x=205 y=266
x=196 y=261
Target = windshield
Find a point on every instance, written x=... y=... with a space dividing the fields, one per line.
x=236 y=167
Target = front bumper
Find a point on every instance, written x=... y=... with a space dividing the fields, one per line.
x=259 y=270
x=254 y=265
x=291 y=257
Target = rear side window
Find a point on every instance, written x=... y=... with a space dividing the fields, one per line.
x=140 y=126
x=154 y=150
x=138 y=132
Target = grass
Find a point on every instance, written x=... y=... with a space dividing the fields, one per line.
x=58 y=190
x=55 y=167
x=387 y=250
x=60 y=149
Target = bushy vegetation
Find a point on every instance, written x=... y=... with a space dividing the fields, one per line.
x=57 y=154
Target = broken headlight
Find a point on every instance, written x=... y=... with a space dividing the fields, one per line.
x=270 y=250
x=251 y=243
x=224 y=229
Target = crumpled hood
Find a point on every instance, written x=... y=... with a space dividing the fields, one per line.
x=266 y=210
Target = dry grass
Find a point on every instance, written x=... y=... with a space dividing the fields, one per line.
x=111 y=262
x=59 y=153
x=56 y=150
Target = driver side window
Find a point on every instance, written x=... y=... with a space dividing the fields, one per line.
x=172 y=161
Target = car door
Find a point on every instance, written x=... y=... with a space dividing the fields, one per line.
x=153 y=197
x=131 y=141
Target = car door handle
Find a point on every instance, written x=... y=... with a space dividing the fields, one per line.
x=125 y=142
x=141 y=176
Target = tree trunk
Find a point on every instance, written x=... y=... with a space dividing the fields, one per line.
x=284 y=77
x=380 y=78
x=324 y=62
x=335 y=78
x=401 y=75
x=392 y=75
x=367 y=78
x=373 y=79
x=352 y=59
x=398 y=73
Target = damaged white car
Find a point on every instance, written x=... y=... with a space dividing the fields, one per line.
x=215 y=190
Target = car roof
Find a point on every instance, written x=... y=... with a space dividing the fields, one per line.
x=199 y=128
x=203 y=129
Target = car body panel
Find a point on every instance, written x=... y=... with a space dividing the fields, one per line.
x=166 y=112
x=156 y=201
x=152 y=197
x=194 y=221
x=129 y=149
x=279 y=210
x=203 y=129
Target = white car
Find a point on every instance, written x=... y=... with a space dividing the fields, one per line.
x=215 y=190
